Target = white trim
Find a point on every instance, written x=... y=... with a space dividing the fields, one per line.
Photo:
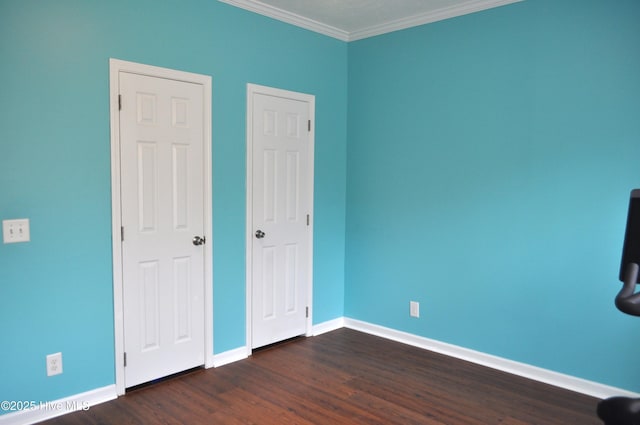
x=328 y=326
x=535 y=373
x=115 y=67
x=49 y=410
x=310 y=99
x=428 y=18
x=230 y=356
x=465 y=8
x=45 y=410
x=208 y=221
x=290 y=18
x=242 y=353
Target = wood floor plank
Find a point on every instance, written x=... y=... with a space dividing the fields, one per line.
x=344 y=377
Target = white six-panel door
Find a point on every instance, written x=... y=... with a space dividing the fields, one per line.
x=161 y=142
x=281 y=206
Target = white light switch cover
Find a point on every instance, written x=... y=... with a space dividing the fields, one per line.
x=15 y=230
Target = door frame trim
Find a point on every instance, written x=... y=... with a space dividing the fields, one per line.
x=253 y=89
x=115 y=67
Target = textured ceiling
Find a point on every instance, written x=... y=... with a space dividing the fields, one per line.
x=354 y=19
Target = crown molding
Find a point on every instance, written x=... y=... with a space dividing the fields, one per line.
x=428 y=17
x=288 y=17
x=465 y=8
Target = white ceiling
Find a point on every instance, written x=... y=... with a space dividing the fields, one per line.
x=350 y=20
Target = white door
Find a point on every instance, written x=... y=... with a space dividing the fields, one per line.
x=162 y=139
x=280 y=230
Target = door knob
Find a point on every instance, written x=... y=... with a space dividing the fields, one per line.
x=260 y=234
x=197 y=240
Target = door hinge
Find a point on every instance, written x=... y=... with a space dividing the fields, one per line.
x=306 y=312
x=125 y=359
x=309 y=125
x=307 y=219
x=119 y=102
x=122 y=234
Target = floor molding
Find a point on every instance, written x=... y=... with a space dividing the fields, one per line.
x=328 y=326
x=44 y=410
x=230 y=356
x=535 y=373
x=51 y=409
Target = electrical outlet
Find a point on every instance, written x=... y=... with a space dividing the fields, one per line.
x=15 y=230
x=414 y=308
x=54 y=364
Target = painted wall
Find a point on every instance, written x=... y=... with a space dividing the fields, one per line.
x=490 y=161
x=56 y=291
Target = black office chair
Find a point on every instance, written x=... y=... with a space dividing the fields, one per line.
x=626 y=410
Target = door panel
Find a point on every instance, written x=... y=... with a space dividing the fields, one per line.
x=280 y=204
x=162 y=201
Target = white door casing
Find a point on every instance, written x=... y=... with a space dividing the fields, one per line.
x=161 y=194
x=279 y=214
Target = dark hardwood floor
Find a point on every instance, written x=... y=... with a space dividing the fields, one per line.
x=344 y=377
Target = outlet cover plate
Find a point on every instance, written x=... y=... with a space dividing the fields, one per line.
x=54 y=364
x=414 y=308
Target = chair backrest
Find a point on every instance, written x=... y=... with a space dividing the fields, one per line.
x=631 y=247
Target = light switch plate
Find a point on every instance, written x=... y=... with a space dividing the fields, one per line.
x=16 y=230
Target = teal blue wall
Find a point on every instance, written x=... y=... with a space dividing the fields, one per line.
x=56 y=291
x=490 y=161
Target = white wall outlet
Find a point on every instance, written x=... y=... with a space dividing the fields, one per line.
x=414 y=308
x=16 y=230
x=54 y=364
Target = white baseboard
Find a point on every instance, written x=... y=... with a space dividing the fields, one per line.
x=43 y=410
x=535 y=373
x=241 y=353
x=328 y=326
x=47 y=410
x=230 y=356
